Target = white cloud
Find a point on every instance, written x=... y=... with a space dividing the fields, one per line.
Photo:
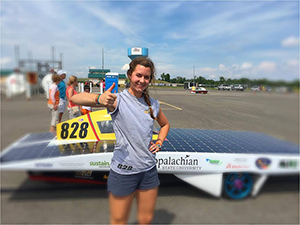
x=267 y=67
x=207 y=70
x=222 y=67
x=5 y=61
x=177 y=36
x=112 y=18
x=290 y=42
x=246 y=66
x=293 y=63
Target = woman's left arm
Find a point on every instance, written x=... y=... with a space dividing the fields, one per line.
x=164 y=126
x=164 y=130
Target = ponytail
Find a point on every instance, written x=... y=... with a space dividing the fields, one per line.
x=147 y=100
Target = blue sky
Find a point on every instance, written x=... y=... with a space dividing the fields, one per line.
x=234 y=39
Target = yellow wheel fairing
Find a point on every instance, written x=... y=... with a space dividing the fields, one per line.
x=96 y=126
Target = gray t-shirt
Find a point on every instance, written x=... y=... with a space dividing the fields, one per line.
x=133 y=128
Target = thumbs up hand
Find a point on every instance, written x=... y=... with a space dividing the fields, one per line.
x=107 y=99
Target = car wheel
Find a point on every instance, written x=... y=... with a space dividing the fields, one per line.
x=238 y=185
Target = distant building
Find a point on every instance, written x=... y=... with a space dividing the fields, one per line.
x=96 y=74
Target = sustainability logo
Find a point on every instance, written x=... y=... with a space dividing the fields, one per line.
x=214 y=161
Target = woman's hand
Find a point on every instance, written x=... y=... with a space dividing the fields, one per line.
x=155 y=147
x=107 y=99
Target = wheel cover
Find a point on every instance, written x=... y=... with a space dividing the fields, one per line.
x=238 y=185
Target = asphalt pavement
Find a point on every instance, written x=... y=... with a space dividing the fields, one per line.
x=29 y=202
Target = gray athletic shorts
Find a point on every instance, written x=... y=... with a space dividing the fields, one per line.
x=123 y=185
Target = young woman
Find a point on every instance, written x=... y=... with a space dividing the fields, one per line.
x=133 y=167
x=74 y=110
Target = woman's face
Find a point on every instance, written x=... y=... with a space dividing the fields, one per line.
x=139 y=80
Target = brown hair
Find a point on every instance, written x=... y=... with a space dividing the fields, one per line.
x=72 y=80
x=146 y=62
x=55 y=78
x=87 y=88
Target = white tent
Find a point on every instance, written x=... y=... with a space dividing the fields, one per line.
x=15 y=84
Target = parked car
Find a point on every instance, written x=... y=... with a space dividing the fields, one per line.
x=198 y=90
x=255 y=88
x=238 y=87
x=268 y=88
x=224 y=87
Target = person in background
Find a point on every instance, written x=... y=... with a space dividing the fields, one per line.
x=103 y=84
x=86 y=109
x=133 y=170
x=53 y=102
x=73 y=109
x=62 y=94
x=103 y=81
x=53 y=71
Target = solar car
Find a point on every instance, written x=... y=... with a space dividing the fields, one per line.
x=233 y=163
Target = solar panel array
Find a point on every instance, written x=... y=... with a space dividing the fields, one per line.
x=37 y=146
x=41 y=145
x=224 y=141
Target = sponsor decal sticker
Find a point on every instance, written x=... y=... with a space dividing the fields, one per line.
x=100 y=164
x=80 y=120
x=230 y=166
x=288 y=164
x=71 y=164
x=44 y=165
x=263 y=163
x=182 y=163
x=240 y=160
x=214 y=161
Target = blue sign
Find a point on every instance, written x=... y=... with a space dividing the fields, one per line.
x=111 y=78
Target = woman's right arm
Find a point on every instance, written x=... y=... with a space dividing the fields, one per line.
x=84 y=98
x=107 y=99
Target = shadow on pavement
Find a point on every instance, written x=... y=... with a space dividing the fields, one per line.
x=170 y=186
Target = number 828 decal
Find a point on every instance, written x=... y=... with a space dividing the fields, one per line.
x=74 y=130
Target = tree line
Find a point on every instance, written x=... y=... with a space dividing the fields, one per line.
x=229 y=81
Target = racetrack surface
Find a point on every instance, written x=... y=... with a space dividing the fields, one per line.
x=28 y=202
